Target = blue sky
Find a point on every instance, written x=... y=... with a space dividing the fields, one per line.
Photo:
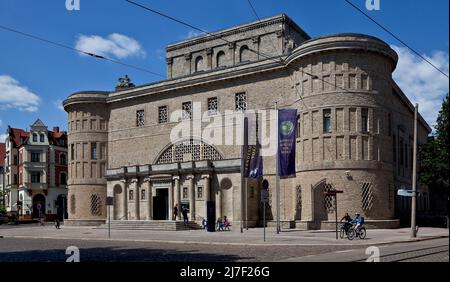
x=36 y=76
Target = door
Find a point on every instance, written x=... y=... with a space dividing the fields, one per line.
x=161 y=204
x=38 y=206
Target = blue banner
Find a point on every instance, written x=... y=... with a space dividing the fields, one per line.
x=253 y=162
x=287 y=133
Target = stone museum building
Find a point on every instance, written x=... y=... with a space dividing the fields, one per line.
x=355 y=131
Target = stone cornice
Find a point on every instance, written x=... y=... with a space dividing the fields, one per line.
x=236 y=30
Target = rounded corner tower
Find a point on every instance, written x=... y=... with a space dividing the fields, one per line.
x=87 y=146
x=345 y=139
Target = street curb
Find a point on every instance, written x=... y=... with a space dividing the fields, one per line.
x=230 y=244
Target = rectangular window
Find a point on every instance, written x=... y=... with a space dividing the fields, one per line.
x=93 y=151
x=131 y=195
x=35 y=177
x=187 y=110
x=163 y=116
x=140 y=118
x=199 y=192
x=72 y=152
x=185 y=193
x=241 y=102
x=364 y=120
x=394 y=148
x=389 y=125
x=15 y=159
x=34 y=137
x=327 y=121
x=15 y=179
x=143 y=195
x=35 y=157
x=42 y=138
x=212 y=106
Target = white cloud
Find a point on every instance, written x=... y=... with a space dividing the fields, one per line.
x=58 y=105
x=117 y=45
x=13 y=95
x=421 y=82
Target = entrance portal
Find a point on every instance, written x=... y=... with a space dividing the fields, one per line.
x=161 y=204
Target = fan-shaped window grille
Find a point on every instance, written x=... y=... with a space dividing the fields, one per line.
x=189 y=150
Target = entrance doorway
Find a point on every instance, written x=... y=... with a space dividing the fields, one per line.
x=161 y=204
x=61 y=204
x=38 y=206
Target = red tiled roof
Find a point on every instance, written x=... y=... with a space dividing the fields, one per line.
x=2 y=154
x=18 y=136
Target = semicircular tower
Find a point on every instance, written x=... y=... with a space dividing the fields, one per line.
x=344 y=140
x=87 y=140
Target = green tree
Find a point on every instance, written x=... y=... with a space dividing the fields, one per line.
x=434 y=155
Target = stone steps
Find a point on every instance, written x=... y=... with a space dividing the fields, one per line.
x=164 y=225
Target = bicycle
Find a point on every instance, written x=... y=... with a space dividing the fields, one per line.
x=352 y=233
x=343 y=231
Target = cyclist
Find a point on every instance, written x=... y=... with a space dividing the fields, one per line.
x=359 y=220
x=347 y=222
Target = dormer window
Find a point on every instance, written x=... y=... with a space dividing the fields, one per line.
x=42 y=138
x=35 y=137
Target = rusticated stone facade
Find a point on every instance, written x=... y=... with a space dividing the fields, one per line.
x=355 y=130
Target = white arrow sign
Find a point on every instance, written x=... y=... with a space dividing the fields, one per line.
x=405 y=193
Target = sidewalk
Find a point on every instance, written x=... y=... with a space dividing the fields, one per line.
x=253 y=236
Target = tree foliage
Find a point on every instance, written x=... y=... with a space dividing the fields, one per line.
x=434 y=155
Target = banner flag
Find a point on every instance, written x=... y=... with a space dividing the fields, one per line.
x=287 y=133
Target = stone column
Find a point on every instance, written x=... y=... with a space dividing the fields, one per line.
x=171 y=200
x=232 y=48
x=169 y=62
x=148 y=189
x=209 y=53
x=135 y=188
x=218 y=202
x=124 y=200
x=190 y=178
x=207 y=188
x=177 y=196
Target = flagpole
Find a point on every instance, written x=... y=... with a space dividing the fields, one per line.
x=277 y=177
x=242 y=170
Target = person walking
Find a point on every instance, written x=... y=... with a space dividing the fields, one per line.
x=175 y=212
x=185 y=216
x=57 y=224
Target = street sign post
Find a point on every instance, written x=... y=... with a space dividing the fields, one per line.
x=109 y=203
x=264 y=200
x=333 y=193
x=405 y=193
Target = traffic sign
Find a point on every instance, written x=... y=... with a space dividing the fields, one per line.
x=405 y=193
x=264 y=196
x=332 y=192
x=109 y=201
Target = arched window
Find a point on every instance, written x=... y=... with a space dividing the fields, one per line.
x=62 y=159
x=34 y=137
x=42 y=138
x=244 y=54
x=63 y=178
x=199 y=63
x=220 y=59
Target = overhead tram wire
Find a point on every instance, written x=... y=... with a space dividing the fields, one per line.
x=93 y=55
x=280 y=61
x=396 y=37
x=60 y=45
